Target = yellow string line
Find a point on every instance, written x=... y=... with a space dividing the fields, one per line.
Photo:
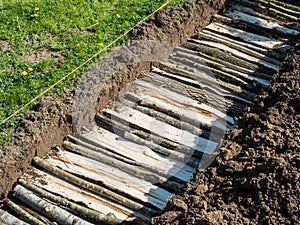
x=88 y=60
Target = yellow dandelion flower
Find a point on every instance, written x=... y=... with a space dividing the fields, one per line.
x=101 y=44
x=24 y=73
x=18 y=27
x=77 y=45
x=29 y=69
x=7 y=53
x=36 y=9
x=35 y=15
x=36 y=22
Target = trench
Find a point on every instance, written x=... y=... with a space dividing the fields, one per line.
x=167 y=121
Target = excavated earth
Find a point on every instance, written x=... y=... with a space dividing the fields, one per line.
x=254 y=179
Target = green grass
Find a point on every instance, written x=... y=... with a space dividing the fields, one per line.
x=74 y=29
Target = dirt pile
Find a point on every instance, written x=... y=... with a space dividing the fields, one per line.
x=255 y=179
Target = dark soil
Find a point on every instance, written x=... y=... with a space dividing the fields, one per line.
x=50 y=120
x=256 y=177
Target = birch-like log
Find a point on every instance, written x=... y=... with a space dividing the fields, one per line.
x=23 y=214
x=84 y=212
x=49 y=210
x=7 y=218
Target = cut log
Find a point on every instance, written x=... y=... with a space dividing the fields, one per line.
x=131 y=169
x=239 y=47
x=49 y=210
x=262 y=23
x=22 y=213
x=54 y=184
x=83 y=212
x=7 y=218
x=93 y=187
x=165 y=130
x=259 y=40
x=114 y=180
x=238 y=54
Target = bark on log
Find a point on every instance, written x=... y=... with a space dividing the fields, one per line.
x=49 y=210
x=94 y=188
x=81 y=210
x=7 y=218
x=23 y=214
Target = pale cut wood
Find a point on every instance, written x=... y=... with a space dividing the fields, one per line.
x=22 y=213
x=259 y=40
x=59 y=187
x=131 y=169
x=49 y=210
x=1 y=223
x=93 y=187
x=172 y=149
x=7 y=218
x=114 y=179
x=239 y=47
x=221 y=66
x=165 y=130
x=272 y=54
x=254 y=20
x=142 y=154
x=81 y=210
x=239 y=54
x=168 y=70
x=185 y=101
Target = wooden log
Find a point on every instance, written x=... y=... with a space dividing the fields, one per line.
x=239 y=54
x=272 y=54
x=169 y=120
x=242 y=48
x=54 y=184
x=269 y=7
x=93 y=187
x=7 y=218
x=83 y=212
x=178 y=100
x=22 y=213
x=128 y=168
x=49 y=210
x=169 y=148
x=262 y=23
x=260 y=40
x=212 y=93
x=262 y=79
x=141 y=154
x=180 y=107
x=165 y=130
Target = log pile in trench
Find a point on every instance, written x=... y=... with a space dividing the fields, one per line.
x=126 y=168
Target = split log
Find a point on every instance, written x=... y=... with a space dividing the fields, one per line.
x=49 y=210
x=274 y=9
x=260 y=40
x=83 y=212
x=269 y=26
x=242 y=48
x=131 y=169
x=244 y=74
x=165 y=130
x=7 y=218
x=238 y=54
x=94 y=188
x=272 y=54
x=22 y=213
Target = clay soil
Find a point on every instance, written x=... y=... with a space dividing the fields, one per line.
x=256 y=177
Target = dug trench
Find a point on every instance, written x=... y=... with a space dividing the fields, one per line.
x=51 y=121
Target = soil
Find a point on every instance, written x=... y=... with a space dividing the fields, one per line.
x=50 y=120
x=4 y=45
x=256 y=177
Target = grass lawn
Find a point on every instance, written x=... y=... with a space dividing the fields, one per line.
x=41 y=41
